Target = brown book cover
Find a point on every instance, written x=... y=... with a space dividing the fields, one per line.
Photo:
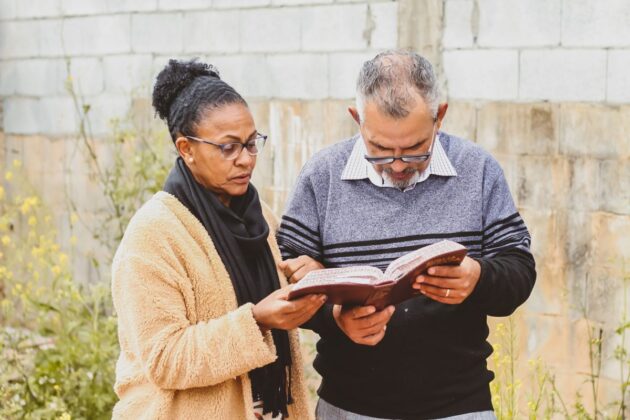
x=366 y=285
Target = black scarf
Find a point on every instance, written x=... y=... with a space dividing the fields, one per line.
x=239 y=233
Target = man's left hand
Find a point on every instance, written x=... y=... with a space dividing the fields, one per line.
x=296 y=268
x=449 y=284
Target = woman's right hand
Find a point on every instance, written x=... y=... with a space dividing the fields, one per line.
x=278 y=312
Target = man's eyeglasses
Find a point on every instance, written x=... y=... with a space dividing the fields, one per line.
x=386 y=160
x=231 y=151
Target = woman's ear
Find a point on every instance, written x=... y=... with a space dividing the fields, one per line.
x=184 y=148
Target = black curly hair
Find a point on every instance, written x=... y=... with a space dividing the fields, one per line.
x=185 y=90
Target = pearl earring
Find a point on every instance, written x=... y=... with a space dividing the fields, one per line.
x=190 y=160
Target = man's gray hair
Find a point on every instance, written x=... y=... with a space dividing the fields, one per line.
x=387 y=78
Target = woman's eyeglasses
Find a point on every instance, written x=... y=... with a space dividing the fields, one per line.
x=231 y=151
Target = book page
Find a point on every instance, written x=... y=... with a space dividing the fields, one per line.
x=358 y=274
x=408 y=262
x=404 y=264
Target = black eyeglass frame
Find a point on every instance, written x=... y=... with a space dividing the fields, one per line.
x=386 y=160
x=258 y=142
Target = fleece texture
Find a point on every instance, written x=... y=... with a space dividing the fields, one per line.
x=186 y=347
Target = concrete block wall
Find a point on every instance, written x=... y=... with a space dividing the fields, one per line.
x=300 y=49
x=539 y=50
x=543 y=85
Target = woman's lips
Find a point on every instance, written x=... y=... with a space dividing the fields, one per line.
x=242 y=179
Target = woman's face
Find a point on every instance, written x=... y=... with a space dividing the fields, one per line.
x=226 y=124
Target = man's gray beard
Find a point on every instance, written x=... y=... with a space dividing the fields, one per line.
x=402 y=184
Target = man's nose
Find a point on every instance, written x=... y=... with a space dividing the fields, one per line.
x=398 y=165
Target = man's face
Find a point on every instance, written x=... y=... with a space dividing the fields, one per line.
x=388 y=136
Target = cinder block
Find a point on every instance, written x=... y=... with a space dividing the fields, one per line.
x=160 y=33
x=516 y=129
x=540 y=178
x=458 y=24
x=596 y=23
x=86 y=75
x=49 y=35
x=38 y=77
x=38 y=9
x=184 y=4
x=128 y=74
x=270 y=30
x=298 y=2
x=8 y=9
x=21 y=116
x=7 y=77
x=82 y=7
x=335 y=28
x=596 y=131
x=232 y=4
x=211 y=32
x=303 y=76
x=614 y=175
x=461 y=120
x=618 y=86
x=58 y=116
x=563 y=75
x=385 y=32
x=19 y=39
x=584 y=188
x=117 y=6
x=343 y=72
x=248 y=74
x=96 y=35
x=481 y=74
x=514 y=23
x=105 y=108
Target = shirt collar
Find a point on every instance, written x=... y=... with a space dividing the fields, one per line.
x=358 y=168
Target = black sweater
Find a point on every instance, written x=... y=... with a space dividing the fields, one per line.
x=432 y=361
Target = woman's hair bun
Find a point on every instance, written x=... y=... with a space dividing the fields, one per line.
x=176 y=76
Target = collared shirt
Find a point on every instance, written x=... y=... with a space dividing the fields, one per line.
x=359 y=168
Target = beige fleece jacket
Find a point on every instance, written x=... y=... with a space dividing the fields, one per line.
x=186 y=347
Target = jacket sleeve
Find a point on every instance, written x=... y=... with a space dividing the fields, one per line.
x=173 y=352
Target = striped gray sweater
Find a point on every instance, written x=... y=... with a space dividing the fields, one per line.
x=432 y=361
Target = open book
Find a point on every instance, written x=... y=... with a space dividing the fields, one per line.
x=366 y=285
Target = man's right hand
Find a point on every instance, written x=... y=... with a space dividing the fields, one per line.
x=363 y=324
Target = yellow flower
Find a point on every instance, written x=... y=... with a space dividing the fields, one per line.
x=17 y=163
x=6 y=240
x=55 y=270
x=64 y=416
x=32 y=221
x=1 y=192
x=73 y=240
x=74 y=218
x=63 y=259
x=8 y=175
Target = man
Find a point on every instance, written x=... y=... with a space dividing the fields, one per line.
x=398 y=185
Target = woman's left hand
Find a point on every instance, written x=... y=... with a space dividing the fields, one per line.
x=277 y=311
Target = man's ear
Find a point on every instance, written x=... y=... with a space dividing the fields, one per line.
x=355 y=114
x=442 y=108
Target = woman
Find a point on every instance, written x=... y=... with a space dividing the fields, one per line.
x=203 y=320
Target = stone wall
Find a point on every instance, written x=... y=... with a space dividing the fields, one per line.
x=542 y=84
